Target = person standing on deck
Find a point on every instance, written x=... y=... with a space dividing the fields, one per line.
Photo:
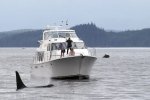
x=62 y=48
x=69 y=44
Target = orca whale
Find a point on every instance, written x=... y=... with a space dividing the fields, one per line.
x=21 y=85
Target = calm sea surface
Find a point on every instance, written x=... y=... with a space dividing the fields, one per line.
x=123 y=76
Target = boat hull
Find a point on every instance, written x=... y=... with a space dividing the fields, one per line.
x=65 y=68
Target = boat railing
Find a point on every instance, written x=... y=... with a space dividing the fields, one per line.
x=47 y=57
x=54 y=55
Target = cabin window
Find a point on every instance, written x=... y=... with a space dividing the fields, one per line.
x=48 y=47
x=56 y=46
x=78 y=45
x=73 y=35
x=62 y=35
x=46 y=35
x=62 y=46
x=40 y=56
x=67 y=35
x=55 y=35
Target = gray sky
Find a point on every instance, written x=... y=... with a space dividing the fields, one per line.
x=107 y=14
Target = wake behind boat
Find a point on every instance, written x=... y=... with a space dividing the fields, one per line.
x=51 y=61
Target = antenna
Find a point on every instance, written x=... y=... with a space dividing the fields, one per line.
x=62 y=23
x=67 y=22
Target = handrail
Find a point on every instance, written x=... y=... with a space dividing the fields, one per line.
x=53 y=55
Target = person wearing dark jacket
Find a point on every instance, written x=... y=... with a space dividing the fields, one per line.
x=69 y=44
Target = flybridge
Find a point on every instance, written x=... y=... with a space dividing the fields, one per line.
x=56 y=32
x=56 y=28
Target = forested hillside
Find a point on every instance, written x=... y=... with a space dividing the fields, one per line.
x=90 y=33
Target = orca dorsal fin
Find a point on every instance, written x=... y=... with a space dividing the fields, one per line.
x=19 y=83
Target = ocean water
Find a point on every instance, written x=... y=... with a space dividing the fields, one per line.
x=123 y=76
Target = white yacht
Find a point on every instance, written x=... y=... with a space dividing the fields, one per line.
x=48 y=61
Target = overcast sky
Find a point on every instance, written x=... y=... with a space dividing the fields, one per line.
x=107 y=14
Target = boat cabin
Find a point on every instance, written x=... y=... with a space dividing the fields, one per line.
x=50 y=45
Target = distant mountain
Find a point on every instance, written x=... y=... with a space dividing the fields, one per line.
x=94 y=36
x=21 y=38
x=90 y=33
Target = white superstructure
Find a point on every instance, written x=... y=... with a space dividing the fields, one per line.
x=48 y=61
